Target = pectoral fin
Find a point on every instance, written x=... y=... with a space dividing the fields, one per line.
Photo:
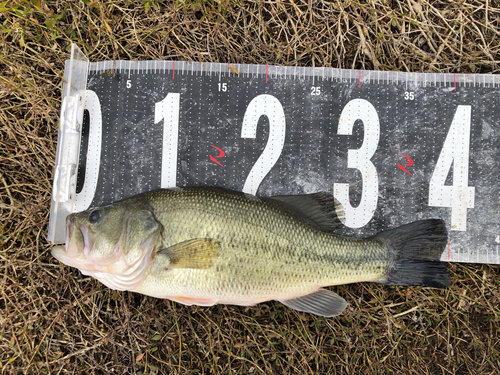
x=198 y=253
x=323 y=302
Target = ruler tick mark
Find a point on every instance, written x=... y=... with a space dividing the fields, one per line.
x=266 y=72
x=173 y=71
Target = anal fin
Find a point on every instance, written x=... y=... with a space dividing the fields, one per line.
x=324 y=302
x=189 y=301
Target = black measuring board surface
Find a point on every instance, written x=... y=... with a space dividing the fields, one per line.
x=392 y=147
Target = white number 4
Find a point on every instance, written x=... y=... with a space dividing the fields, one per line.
x=459 y=196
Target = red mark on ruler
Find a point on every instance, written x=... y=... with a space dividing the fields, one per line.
x=173 y=71
x=266 y=72
x=359 y=85
x=410 y=162
x=221 y=154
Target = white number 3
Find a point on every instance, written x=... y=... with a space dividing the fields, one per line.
x=356 y=217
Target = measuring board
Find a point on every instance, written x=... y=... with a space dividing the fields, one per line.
x=391 y=147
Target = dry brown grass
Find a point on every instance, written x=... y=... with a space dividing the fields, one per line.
x=55 y=321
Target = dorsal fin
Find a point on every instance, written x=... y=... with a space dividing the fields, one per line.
x=321 y=208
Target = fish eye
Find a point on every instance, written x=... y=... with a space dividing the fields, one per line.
x=95 y=216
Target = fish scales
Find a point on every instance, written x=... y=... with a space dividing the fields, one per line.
x=208 y=245
x=265 y=251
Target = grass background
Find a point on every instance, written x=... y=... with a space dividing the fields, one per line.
x=53 y=320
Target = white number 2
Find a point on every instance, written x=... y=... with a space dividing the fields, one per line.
x=264 y=105
x=458 y=196
x=360 y=109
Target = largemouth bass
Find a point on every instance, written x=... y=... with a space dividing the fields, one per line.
x=204 y=246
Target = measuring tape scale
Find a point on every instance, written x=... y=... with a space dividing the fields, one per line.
x=391 y=147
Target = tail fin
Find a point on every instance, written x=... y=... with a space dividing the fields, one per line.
x=415 y=250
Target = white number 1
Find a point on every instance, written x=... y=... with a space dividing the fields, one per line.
x=168 y=111
x=458 y=196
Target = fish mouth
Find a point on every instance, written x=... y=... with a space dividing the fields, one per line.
x=107 y=262
x=79 y=242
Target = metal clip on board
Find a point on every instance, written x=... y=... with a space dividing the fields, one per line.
x=68 y=144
